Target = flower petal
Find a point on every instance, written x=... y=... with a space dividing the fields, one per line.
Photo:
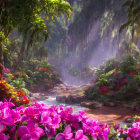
x=68 y=136
x=22 y=131
x=67 y=129
x=60 y=136
x=79 y=134
x=3 y=137
x=26 y=137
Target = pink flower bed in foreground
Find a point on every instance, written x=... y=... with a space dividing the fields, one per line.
x=39 y=122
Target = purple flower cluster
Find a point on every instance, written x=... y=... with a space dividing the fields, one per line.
x=132 y=133
x=40 y=121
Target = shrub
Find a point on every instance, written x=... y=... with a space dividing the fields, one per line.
x=9 y=92
x=40 y=122
x=117 y=82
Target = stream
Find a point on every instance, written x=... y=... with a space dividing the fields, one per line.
x=104 y=114
x=52 y=101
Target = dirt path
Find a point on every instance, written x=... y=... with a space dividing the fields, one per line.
x=111 y=115
x=104 y=114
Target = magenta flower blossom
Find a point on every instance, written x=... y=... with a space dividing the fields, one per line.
x=2 y=128
x=80 y=136
x=30 y=131
x=8 y=116
x=45 y=118
x=50 y=132
x=55 y=121
x=46 y=121
x=66 y=135
x=4 y=137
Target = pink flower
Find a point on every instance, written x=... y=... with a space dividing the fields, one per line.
x=4 y=137
x=45 y=118
x=9 y=117
x=66 y=135
x=124 y=80
x=2 y=128
x=7 y=70
x=50 y=131
x=30 y=131
x=55 y=121
x=79 y=135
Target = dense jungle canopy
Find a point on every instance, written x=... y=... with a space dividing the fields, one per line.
x=60 y=56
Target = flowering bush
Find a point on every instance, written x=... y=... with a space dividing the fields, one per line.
x=39 y=121
x=44 y=69
x=9 y=92
x=116 y=81
x=127 y=133
x=39 y=74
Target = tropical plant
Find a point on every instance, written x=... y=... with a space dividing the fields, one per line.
x=133 y=19
x=29 y=18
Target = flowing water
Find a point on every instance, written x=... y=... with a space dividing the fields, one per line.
x=104 y=114
x=52 y=101
x=76 y=108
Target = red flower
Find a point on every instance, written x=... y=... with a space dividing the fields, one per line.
x=103 y=89
x=116 y=73
x=44 y=69
x=118 y=87
x=124 y=80
x=131 y=73
x=20 y=93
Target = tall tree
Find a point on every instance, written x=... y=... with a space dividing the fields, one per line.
x=133 y=19
x=29 y=17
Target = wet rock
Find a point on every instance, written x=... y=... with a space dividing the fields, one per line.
x=61 y=99
x=76 y=99
x=110 y=104
x=129 y=120
x=91 y=105
x=135 y=107
x=138 y=107
x=128 y=106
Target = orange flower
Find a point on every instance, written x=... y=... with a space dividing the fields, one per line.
x=44 y=69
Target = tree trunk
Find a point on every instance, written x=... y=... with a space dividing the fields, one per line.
x=1 y=55
x=1 y=59
x=20 y=56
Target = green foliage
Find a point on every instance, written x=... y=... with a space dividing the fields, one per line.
x=18 y=81
x=2 y=37
x=133 y=19
x=29 y=18
x=117 y=79
x=39 y=72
